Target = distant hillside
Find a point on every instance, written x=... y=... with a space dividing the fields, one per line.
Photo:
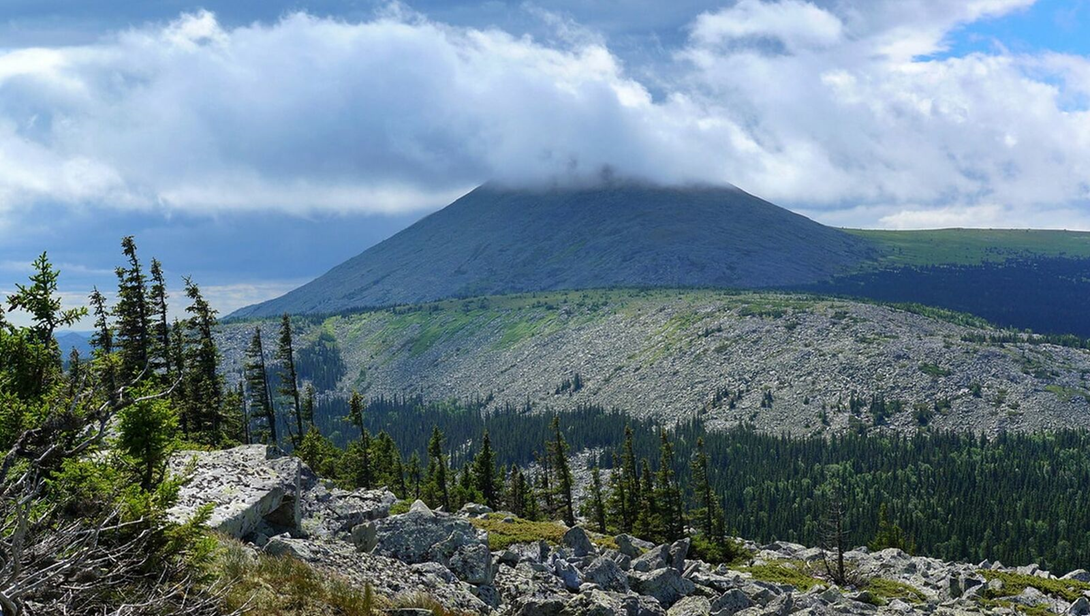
x=1027 y=279
x=790 y=363
x=496 y=240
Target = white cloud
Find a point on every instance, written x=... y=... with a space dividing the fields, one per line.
x=825 y=106
x=794 y=24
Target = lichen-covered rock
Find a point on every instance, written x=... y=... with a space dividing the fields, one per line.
x=578 y=541
x=1079 y=575
x=666 y=585
x=244 y=485
x=328 y=511
x=420 y=534
x=730 y=602
x=472 y=563
x=691 y=606
x=607 y=574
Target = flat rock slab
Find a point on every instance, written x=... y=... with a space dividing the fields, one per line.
x=243 y=484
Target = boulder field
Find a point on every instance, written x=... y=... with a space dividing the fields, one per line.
x=277 y=505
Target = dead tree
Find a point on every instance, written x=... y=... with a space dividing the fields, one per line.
x=834 y=539
x=55 y=562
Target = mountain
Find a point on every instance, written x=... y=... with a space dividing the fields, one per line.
x=80 y=341
x=499 y=240
x=780 y=362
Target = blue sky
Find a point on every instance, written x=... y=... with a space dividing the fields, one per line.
x=255 y=144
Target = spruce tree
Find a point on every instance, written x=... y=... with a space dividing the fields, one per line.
x=436 y=486
x=103 y=341
x=597 y=505
x=630 y=477
x=702 y=491
x=132 y=313
x=147 y=437
x=414 y=475
x=671 y=522
x=647 y=513
x=484 y=473
x=289 y=378
x=617 y=501
x=257 y=381
x=203 y=384
x=559 y=453
x=307 y=410
x=160 y=332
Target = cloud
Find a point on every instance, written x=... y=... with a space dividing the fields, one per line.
x=831 y=107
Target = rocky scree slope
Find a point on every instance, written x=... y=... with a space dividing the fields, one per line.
x=779 y=362
x=277 y=506
x=498 y=240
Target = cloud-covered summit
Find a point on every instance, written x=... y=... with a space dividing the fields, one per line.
x=849 y=111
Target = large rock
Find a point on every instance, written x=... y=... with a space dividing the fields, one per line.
x=421 y=536
x=607 y=574
x=1079 y=575
x=691 y=606
x=730 y=603
x=666 y=585
x=330 y=512
x=472 y=563
x=411 y=537
x=627 y=544
x=245 y=486
x=601 y=603
x=577 y=539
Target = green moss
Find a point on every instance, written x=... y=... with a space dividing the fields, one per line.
x=933 y=370
x=1015 y=583
x=502 y=534
x=399 y=507
x=776 y=573
x=892 y=589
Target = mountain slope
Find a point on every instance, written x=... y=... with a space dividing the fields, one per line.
x=497 y=240
x=781 y=362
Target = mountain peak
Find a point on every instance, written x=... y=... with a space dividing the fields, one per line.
x=501 y=239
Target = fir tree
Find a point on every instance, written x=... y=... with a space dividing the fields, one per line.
x=132 y=313
x=307 y=410
x=103 y=341
x=414 y=475
x=436 y=487
x=702 y=490
x=647 y=514
x=630 y=478
x=203 y=384
x=596 y=503
x=355 y=411
x=289 y=379
x=484 y=473
x=559 y=452
x=147 y=436
x=160 y=333
x=257 y=381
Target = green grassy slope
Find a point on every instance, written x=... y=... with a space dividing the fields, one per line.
x=971 y=246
